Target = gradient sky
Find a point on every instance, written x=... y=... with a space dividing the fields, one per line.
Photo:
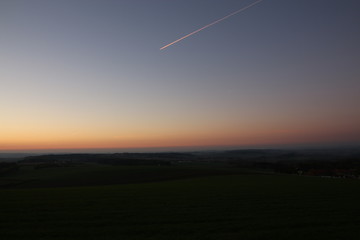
x=89 y=73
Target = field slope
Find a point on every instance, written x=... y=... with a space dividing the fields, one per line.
x=227 y=206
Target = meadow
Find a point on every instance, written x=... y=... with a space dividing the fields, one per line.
x=177 y=202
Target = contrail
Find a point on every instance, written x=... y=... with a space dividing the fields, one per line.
x=213 y=23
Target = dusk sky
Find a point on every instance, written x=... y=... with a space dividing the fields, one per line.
x=79 y=74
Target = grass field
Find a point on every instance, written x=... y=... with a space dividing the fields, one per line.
x=88 y=174
x=209 y=205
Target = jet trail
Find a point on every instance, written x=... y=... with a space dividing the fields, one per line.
x=213 y=23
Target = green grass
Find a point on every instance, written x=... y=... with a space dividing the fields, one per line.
x=212 y=207
x=97 y=174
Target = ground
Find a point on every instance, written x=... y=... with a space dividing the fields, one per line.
x=201 y=202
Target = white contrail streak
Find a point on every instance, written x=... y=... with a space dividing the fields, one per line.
x=213 y=23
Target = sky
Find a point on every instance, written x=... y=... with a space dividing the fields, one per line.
x=89 y=74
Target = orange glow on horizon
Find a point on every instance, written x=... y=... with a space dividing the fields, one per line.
x=240 y=138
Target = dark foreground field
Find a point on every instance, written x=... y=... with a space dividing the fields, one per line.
x=176 y=203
